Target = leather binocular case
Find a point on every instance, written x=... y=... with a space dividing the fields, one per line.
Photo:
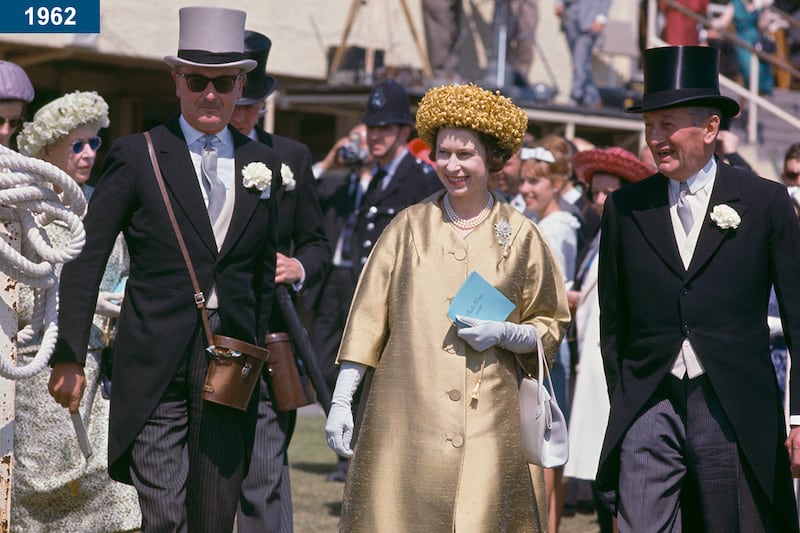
x=288 y=390
x=233 y=371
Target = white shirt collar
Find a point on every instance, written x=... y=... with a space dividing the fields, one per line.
x=697 y=182
x=192 y=135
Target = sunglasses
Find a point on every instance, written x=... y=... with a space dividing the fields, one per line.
x=198 y=83
x=13 y=123
x=789 y=175
x=94 y=143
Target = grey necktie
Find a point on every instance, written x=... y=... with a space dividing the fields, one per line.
x=684 y=210
x=215 y=189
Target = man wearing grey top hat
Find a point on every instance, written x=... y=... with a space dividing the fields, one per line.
x=696 y=437
x=303 y=259
x=185 y=456
x=16 y=92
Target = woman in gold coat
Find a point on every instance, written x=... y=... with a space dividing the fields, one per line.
x=439 y=446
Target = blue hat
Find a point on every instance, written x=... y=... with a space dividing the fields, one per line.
x=681 y=76
x=388 y=104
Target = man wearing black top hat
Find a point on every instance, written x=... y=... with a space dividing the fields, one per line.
x=302 y=260
x=399 y=179
x=696 y=438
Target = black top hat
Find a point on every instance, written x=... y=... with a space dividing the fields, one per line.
x=679 y=76
x=388 y=104
x=258 y=85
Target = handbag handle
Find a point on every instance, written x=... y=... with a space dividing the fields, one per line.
x=199 y=298
x=543 y=371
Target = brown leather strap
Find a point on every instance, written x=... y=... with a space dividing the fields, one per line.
x=229 y=343
x=199 y=299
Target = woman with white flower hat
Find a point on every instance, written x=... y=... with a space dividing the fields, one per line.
x=439 y=447
x=55 y=487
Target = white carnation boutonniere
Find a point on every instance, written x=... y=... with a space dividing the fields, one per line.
x=288 y=177
x=725 y=217
x=503 y=231
x=257 y=175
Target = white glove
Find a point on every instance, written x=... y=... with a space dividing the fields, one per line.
x=339 y=426
x=483 y=334
x=775 y=326
x=108 y=304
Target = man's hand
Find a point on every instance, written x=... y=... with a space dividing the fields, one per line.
x=108 y=304
x=793 y=447
x=287 y=270
x=67 y=383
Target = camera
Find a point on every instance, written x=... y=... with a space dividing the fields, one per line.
x=352 y=154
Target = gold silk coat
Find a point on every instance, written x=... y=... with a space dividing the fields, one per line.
x=428 y=457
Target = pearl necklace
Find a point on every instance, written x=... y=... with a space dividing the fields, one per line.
x=468 y=223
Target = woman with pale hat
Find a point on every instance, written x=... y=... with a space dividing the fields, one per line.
x=439 y=447
x=604 y=171
x=55 y=487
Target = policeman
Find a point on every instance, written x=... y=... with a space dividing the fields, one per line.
x=399 y=179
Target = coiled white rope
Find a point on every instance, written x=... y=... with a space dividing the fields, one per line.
x=27 y=196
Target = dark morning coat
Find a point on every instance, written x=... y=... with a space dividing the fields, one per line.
x=413 y=180
x=159 y=318
x=649 y=302
x=301 y=230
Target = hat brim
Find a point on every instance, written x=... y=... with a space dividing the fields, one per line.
x=386 y=119
x=245 y=65
x=590 y=162
x=728 y=106
x=268 y=87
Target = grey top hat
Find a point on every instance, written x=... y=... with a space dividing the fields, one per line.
x=680 y=76
x=388 y=104
x=211 y=37
x=259 y=85
x=14 y=83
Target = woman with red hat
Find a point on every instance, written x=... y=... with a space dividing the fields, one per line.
x=604 y=171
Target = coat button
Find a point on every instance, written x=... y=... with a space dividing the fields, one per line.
x=454 y=395
x=684 y=291
x=460 y=255
x=367 y=243
x=685 y=329
x=390 y=211
x=372 y=212
x=458 y=441
x=370 y=226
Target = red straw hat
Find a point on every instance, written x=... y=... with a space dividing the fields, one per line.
x=616 y=161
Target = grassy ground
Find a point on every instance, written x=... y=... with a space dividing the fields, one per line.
x=317 y=502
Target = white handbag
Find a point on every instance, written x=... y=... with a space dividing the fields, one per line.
x=543 y=427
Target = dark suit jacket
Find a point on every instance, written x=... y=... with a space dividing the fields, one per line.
x=159 y=319
x=413 y=180
x=649 y=303
x=301 y=232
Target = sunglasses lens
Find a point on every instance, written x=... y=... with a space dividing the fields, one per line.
x=198 y=83
x=94 y=143
x=224 y=84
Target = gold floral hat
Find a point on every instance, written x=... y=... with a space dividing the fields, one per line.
x=470 y=107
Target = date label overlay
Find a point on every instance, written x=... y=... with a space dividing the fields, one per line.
x=49 y=16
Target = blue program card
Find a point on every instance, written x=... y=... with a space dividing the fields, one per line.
x=477 y=298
